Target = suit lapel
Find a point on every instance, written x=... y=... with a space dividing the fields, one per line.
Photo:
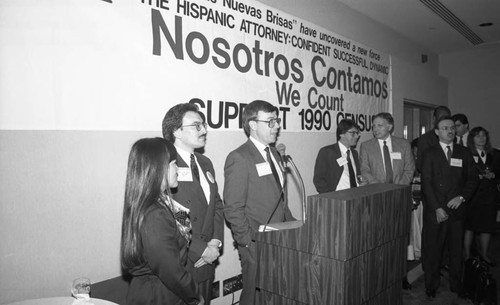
x=195 y=186
x=211 y=181
x=396 y=164
x=258 y=158
x=375 y=148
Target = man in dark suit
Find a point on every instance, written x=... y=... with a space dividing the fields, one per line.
x=449 y=180
x=253 y=187
x=462 y=128
x=197 y=191
x=386 y=158
x=334 y=168
x=429 y=138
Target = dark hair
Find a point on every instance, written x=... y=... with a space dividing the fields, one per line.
x=147 y=166
x=251 y=112
x=460 y=117
x=443 y=118
x=173 y=119
x=440 y=111
x=470 y=139
x=344 y=127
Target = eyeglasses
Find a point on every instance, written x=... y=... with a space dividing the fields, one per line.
x=354 y=133
x=198 y=125
x=271 y=123
x=446 y=128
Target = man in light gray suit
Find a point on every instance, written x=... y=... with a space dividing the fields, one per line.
x=386 y=158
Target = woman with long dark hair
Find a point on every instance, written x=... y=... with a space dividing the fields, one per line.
x=481 y=212
x=155 y=229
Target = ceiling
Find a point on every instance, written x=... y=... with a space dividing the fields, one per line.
x=442 y=26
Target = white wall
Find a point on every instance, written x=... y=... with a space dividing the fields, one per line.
x=61 y=192
x=474 y=86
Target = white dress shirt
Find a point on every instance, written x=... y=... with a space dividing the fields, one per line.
x=186 y=156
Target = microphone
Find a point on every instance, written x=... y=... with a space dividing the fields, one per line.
x=281 y=148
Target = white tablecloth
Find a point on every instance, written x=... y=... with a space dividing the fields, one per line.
x=59 y=301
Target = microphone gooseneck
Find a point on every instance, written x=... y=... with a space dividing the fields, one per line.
x=302 y=187
x=281 y=148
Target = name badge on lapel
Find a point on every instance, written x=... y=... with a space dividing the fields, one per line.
x=395 y=155
x=184 y=174
x=263 y=169
x=456 y=162
x=342 y=161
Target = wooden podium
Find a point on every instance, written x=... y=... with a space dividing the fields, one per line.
x=351 y=250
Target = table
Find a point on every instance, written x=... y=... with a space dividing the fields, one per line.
x=59 y=301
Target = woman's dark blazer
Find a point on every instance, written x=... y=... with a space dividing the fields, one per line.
x=162 y=279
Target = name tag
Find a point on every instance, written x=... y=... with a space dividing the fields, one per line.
x=342 y=161
x=263 y=169
x=456 y=162
x=395 y=155
x=184 y=174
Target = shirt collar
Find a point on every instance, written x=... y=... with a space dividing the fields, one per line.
x=343 y=148
x=186 y=156
x=443 y=145
x=258 y=144
x=387 y=141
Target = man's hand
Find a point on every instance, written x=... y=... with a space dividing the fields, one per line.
x=441 y=215
x=454 y=203
x=210 y=254
x=489 y=175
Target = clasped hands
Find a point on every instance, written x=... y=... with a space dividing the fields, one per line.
x=453 y=204
x=487 y=175
x=210 y=254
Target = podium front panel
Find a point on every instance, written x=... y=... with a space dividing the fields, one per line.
x=351 y=250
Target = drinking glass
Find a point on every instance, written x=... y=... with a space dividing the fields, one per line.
x=81 y=286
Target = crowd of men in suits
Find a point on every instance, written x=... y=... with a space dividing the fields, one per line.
x=254 y=189
x=448 y=176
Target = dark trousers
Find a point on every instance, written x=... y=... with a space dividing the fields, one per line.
x=434 y=239
x=206 y=290
x=200 y=276
x=249 y=273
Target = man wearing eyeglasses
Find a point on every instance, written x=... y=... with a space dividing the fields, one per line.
x=197 y=191
x=449 y=179
x=254 y=191
x=386 y=158
x=337 y=165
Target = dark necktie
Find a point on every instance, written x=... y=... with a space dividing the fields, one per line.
x=460 y=141
x=352 y=175
x=273 y=168
x=482 y=154
x=194 y=169
x=388 y=164
x=448 y=153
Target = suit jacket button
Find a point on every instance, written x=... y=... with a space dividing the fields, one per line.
x=195 y=218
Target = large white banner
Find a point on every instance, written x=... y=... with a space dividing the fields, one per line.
x=96 y=65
